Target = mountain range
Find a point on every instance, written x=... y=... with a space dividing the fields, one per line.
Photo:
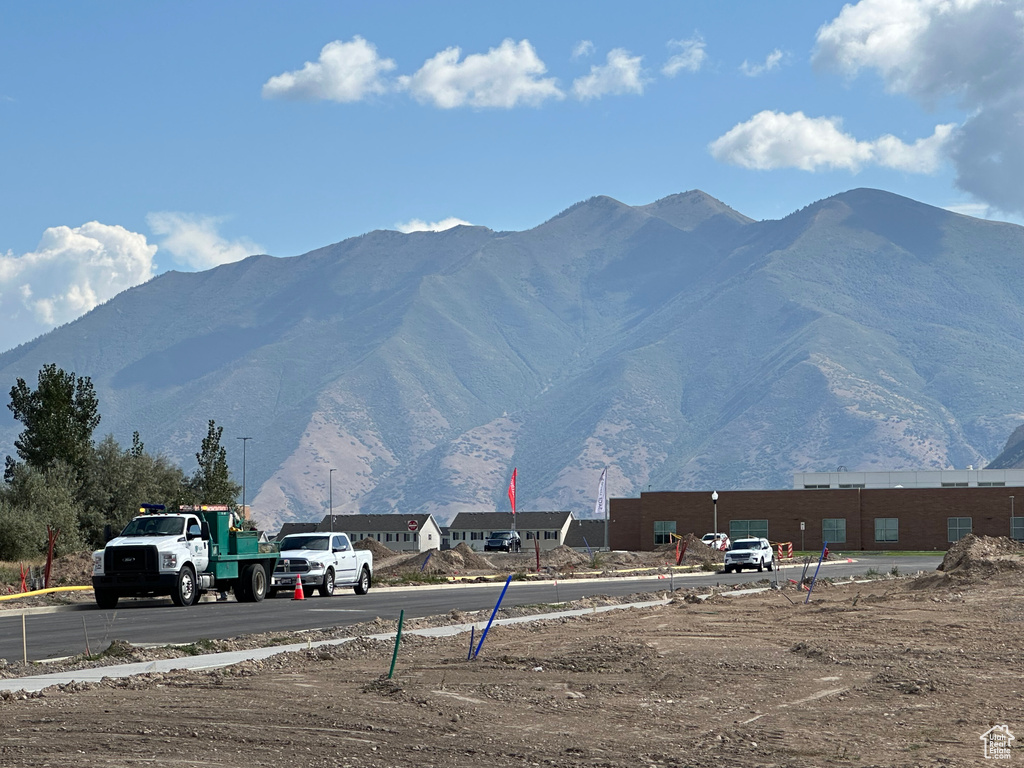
x=680 y=344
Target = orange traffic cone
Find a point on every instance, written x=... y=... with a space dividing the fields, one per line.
x=298 y=589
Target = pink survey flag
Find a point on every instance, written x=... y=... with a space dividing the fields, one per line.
x=512 y=491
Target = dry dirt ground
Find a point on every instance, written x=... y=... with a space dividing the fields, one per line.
x=892 y=672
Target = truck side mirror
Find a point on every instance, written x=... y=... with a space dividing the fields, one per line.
x=205 y=528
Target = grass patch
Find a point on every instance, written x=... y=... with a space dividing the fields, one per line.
x=413 y=578
x=199 y=647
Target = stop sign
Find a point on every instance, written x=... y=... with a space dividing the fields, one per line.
x=413 y=525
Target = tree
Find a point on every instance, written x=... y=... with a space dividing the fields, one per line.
x=59 y=416
x=34 y=499
x=117 y=481
x=212 y=483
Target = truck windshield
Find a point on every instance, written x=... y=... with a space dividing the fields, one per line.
x=502 y=535
x=305 y=542
x=155 y=526
x=747 y=544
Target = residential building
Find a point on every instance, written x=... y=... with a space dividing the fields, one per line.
x=402 y=533
x=548 y=529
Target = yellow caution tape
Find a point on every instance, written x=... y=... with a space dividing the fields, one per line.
x=42 y=592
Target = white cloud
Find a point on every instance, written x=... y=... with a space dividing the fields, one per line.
x=969 y=51
x=582 y=49
x=691 y=56
x=344 y=72
x=72 y=271
x=193 y=240
x=772 y=140
x=770 y=63
x=504 y=77
x=977 y=210
x=621 y=74
x=418 y=225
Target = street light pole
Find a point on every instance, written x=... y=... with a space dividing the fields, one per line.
x=1011 y=517
x=714 y=503
x=330 y=487
x=244 y=441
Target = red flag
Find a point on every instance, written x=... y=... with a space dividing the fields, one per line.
x=512 y=491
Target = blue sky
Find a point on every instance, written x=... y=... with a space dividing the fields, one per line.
x=141 y=137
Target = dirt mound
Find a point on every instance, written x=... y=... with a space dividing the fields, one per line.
x=980 y=556
x=562 y=557
x=72 y=570
x=697 y=552
x=447 y=562
x=374 y=546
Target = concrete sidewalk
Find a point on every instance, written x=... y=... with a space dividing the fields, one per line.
x=215 y=660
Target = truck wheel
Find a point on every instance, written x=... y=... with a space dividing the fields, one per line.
x=771 y=564
x=252 y=585
x=363 y=585
x=327 y=588
x=760 y=566
x=106 y=599
x=185 y=590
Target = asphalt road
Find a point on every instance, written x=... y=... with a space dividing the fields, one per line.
x=62 y=632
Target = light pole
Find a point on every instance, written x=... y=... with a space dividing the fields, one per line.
x=244 y=441
x=330 y=490
x=714 y=504
x=1011 y=517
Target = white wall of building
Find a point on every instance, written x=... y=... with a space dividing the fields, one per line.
x=945 y=478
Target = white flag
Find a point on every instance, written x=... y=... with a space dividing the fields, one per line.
x=599 y=507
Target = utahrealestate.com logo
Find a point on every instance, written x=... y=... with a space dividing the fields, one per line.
x=997 y=740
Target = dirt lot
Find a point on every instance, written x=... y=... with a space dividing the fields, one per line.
x=893 y=672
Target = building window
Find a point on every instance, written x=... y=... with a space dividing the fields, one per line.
x=954 y=485
x=991 y=485
x=748 y=529
x=851 y=485
x=957 y=528
x=1017 y=528
x=816 y=487
x=663 y=530
x=833 y=530
x=416 y=537
x=887 y=529
x=406 y=537
x=550 y=535
x=388 y=536
x=476 y=535
x=529 y=535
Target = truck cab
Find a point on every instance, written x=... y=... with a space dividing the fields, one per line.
x=322 y=560
x=181 y=554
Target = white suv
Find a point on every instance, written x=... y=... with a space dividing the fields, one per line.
x=749 y=553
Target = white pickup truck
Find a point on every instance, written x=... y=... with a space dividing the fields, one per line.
x=323 y=561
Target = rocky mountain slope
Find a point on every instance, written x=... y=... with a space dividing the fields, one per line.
x=680 y=344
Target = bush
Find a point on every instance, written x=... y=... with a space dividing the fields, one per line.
x=22 y=536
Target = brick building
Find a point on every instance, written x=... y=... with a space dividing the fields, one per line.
x=849 y=518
